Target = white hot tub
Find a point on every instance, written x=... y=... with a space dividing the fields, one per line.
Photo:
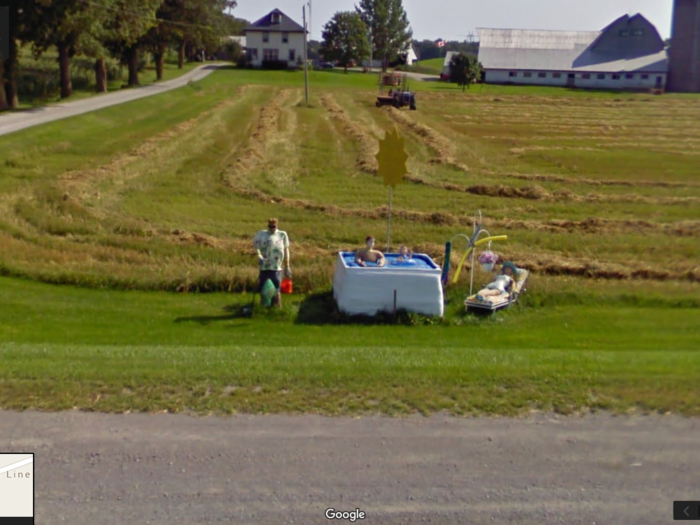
x=368 y=290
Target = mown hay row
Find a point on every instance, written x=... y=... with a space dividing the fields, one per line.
x=150 y=146
x=595 y=182
x=446 y=151
x=590 y=225
x=253 y=153
x=539 y=193
x=366 y=161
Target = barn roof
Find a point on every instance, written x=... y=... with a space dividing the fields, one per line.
x=595 y=51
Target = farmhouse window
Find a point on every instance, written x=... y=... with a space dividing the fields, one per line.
x=542 y=75
x=629 y=76
x=285 y=38
x=252 y=54
x=527 y=74
x=513 y=74
x=556 y=75
x=271 y=54
x=276 y=18
x=586 y=76
x=601 y=76
x=266 y=36
x=292 y=55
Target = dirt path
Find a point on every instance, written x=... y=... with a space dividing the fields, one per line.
x=11 y=122
x=114 y=469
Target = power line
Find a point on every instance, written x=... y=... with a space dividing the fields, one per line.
x=174 y=22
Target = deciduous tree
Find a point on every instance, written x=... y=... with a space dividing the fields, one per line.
x=345 y=39
x=464 y=70
x=389 y=31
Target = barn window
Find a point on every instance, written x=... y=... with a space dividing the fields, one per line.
x=285 y=38
x=542 y=75
x=556 y=75
x=645 y=77
x=616 y=77
x=624 y=33
x=638 y=32
x=629 y=76
x=513 y=74
x=527 y=74
x=601 y=76
x=586 y=76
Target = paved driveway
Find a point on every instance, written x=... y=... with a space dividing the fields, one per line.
x=15 y=121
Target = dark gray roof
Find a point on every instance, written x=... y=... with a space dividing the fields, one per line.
x=286 y=24
x=593 y=51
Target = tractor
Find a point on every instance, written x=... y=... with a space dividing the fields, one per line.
x=400 y=98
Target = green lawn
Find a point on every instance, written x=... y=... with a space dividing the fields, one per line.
x=66 y=347
x=431 y=66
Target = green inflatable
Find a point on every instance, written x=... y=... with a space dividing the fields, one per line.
x=268 y=292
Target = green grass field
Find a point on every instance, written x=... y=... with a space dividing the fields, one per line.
x=598 y=193
x=431 y=66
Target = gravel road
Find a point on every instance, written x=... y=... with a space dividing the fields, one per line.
x=15 y=121
x=138 y=468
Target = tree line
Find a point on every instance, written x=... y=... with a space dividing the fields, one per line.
x=377 y=29
x=121 y=29
x=380 y=30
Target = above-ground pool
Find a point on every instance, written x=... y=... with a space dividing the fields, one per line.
x=368 y=290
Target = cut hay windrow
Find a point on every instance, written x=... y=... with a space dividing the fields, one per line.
x=264 y=128
x=595 y=182
x=366 y=161
x=446 y=151
x=590 y=225
x=154 y=144
x=540 y=193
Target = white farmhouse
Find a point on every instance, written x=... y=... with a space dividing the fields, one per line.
x=275 y=37
x=627 y=54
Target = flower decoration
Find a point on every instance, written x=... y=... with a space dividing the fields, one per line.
x=488 y=257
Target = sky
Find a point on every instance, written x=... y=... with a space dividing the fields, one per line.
x=455 y=19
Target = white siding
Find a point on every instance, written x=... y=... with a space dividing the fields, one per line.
x=637 y=82
x=254 y=40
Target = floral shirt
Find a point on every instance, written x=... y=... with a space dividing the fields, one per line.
x=272 y=247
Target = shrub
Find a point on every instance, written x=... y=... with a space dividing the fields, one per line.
x=274 y=64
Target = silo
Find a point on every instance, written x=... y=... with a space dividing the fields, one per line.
x=684 y=55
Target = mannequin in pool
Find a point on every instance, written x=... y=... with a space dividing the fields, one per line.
x=369 y=254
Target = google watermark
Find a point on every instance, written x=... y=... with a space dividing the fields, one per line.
x=350 y=515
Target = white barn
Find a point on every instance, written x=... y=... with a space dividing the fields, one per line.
x=627 y=54
x=275 y=37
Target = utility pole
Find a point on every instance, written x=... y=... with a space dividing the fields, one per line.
x=310 y=26
x=306 y=61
